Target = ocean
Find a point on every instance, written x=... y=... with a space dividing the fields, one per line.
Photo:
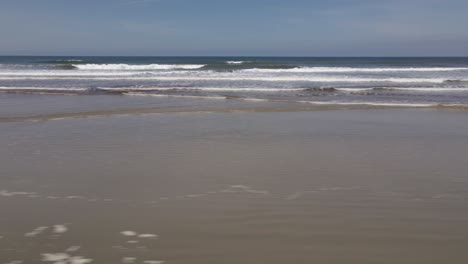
x=398 y=82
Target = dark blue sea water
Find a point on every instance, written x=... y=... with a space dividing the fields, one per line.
x=418 y=82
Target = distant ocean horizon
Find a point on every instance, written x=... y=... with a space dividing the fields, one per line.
x=387 y=81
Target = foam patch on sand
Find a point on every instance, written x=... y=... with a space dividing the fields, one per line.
x=243 y=189
x=59 y=229
x=79 y=260
x=73 y=249
x=53 y=257
x=56 y=229
x=36 y=231
x=64 y=258
x=74 y=197
x=334 y=189
x=298 y=194
x=6 y=193
x=128 y=260
x=148 y=236
x=128 y=233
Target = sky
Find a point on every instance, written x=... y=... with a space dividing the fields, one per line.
x=234 y=27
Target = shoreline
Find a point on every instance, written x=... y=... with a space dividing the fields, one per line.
x=157 y=104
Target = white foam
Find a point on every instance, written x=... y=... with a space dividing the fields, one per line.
x=128 y=260
x=236 y=62
x=243 y=189
x=416 y=105
x=137 y=67
x=153 y=261
x=26 y=74
x=79 y=260
x=254 y=99
x=36 y=231
x=351 y=69
x=128 y=233
x=343 y=79
x=181 y=96
x=59 y=229
x=428 y=89
x=15 y=262
x=73 y=249
x=54 y=257
x=148 y=236
x=353 y=89
x=64 y=258
x=75 y=197
x=155 y=89
x=208 y=89
x=42 y=89
x=7 y=193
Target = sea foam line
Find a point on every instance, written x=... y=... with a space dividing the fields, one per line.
x=425 y=89
x=181 y=96
x=137 y=67
x=236 y=62
x=209 y=89
x=351 y=69
x=383 y=104
x=249 y=78
x=329 y=103
x=42 y=89
x=84 y=73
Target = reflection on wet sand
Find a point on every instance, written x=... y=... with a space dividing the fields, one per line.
x=361 y=186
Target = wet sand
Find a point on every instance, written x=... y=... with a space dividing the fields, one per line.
x=344 y=186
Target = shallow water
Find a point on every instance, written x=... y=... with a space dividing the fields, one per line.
x=373 y=186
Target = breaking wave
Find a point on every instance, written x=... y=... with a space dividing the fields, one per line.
x=221 y=89
x=137 y=67
x=351 y=69
x=243 y=78
x=237 y=62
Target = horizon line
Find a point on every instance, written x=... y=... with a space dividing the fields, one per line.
x=246 y=56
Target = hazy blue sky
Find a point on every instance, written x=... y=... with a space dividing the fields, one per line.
x=234 y=27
